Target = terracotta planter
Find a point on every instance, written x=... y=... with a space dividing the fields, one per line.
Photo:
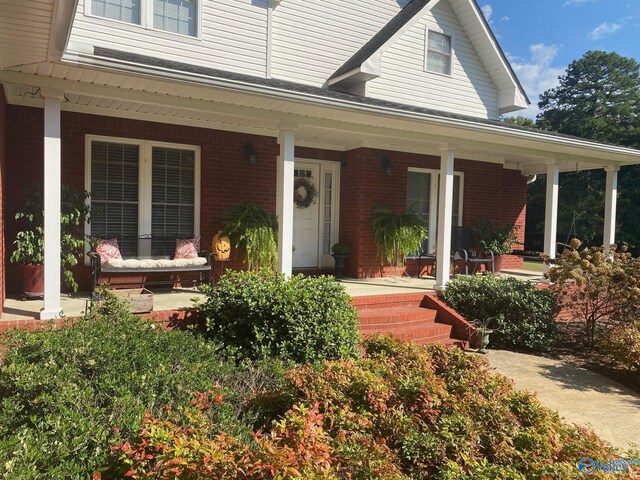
x=32 y=278
x=498 y=264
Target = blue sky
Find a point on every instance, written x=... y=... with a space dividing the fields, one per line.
x=541 y=37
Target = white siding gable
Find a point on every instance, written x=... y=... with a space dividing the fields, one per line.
x=233 y=36
x=469 y=90
x=313 y=38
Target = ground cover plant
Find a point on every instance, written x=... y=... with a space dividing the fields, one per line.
x=524 y=315
x=400 y=412
x=301 y=318
x=62 y=392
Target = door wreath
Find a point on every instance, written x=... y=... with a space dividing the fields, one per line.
x=304 y=193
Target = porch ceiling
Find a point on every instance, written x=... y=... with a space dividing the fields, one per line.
x=323 y=124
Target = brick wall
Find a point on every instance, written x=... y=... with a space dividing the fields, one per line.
x=227 y=179
x=3 y=121
x=489 y=191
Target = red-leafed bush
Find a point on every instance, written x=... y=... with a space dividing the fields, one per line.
x=399 y=412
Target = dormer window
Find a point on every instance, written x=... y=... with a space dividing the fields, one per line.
x=438 y=53
x=175 y=16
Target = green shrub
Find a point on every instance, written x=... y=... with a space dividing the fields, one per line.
x=302 y=319
x=62 y=391
x=525 y=313
x=402 y=412
x=623 y=344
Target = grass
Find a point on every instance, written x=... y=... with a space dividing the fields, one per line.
x=533 y=266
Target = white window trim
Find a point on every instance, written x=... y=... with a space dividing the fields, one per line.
x=146 y=19
x=433 y=201
x=145 y=180
x=452 y=36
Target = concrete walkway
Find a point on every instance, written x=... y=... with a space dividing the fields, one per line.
x=577 y=394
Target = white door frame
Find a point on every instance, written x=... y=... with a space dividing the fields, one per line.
x=326 y=260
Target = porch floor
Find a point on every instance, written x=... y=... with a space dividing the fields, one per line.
x=176 y=299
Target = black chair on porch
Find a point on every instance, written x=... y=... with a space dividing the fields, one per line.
x=462 y=251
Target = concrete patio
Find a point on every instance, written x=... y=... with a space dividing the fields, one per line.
x=176 y=299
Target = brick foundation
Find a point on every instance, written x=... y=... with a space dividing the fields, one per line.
x=227 y=179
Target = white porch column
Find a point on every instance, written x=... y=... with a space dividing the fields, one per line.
x=284 y=199
x=551 y=211
x=52 y=205
x=445 y=208
x=610 y=204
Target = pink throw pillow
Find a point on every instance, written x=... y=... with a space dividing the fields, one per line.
x=187 y=248
x=108 y=250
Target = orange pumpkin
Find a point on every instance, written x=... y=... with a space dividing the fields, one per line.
x=221 y=247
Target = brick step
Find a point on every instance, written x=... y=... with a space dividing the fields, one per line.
x=429 y=330
x=440 y=339
x=396 y=315
x=386 y=301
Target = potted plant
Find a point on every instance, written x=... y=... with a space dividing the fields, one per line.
x=339 y=252
x=29 y=242
x=483 y=331
x=497 y=238
x=253 y=228
x=397 y=235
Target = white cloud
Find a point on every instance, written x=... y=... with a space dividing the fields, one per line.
x=537 y=74
x=505 y=19
x=577 y=2
x=604 y=30
x=487 y=11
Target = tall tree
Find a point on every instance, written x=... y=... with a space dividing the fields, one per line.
x=598 y=98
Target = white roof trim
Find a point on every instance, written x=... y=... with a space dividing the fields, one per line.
x=371 y=66
x=590 y=148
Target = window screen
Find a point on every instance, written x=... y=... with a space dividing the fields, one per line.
x=114 y=193
x=123 y=10
x=439 y=53
x=176 y=16
x=172 y=194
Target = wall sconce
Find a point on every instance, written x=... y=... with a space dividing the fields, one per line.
x=250 y=154
x=387 y=166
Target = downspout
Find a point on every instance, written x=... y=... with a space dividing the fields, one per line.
x=269 y=37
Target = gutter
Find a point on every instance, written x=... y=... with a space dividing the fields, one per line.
x=266 y=90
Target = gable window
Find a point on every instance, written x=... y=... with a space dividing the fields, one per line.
x=140 y=188
x=174 y=16
x=438 y=53
x=423 y=188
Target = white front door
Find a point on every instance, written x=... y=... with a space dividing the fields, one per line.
x=306 y=222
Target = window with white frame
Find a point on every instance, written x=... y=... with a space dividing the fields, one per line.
x=139 y=188
x=438 y=53
x=175 y=16
x=423 y=188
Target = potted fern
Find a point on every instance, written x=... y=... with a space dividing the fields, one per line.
x=397 y=235
x=29 y=243
x=497 y=238
x=253 y=228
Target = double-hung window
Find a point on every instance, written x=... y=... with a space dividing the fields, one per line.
x=438 y=53
x=423 y=188
x=175 y=16
x=141 y=188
